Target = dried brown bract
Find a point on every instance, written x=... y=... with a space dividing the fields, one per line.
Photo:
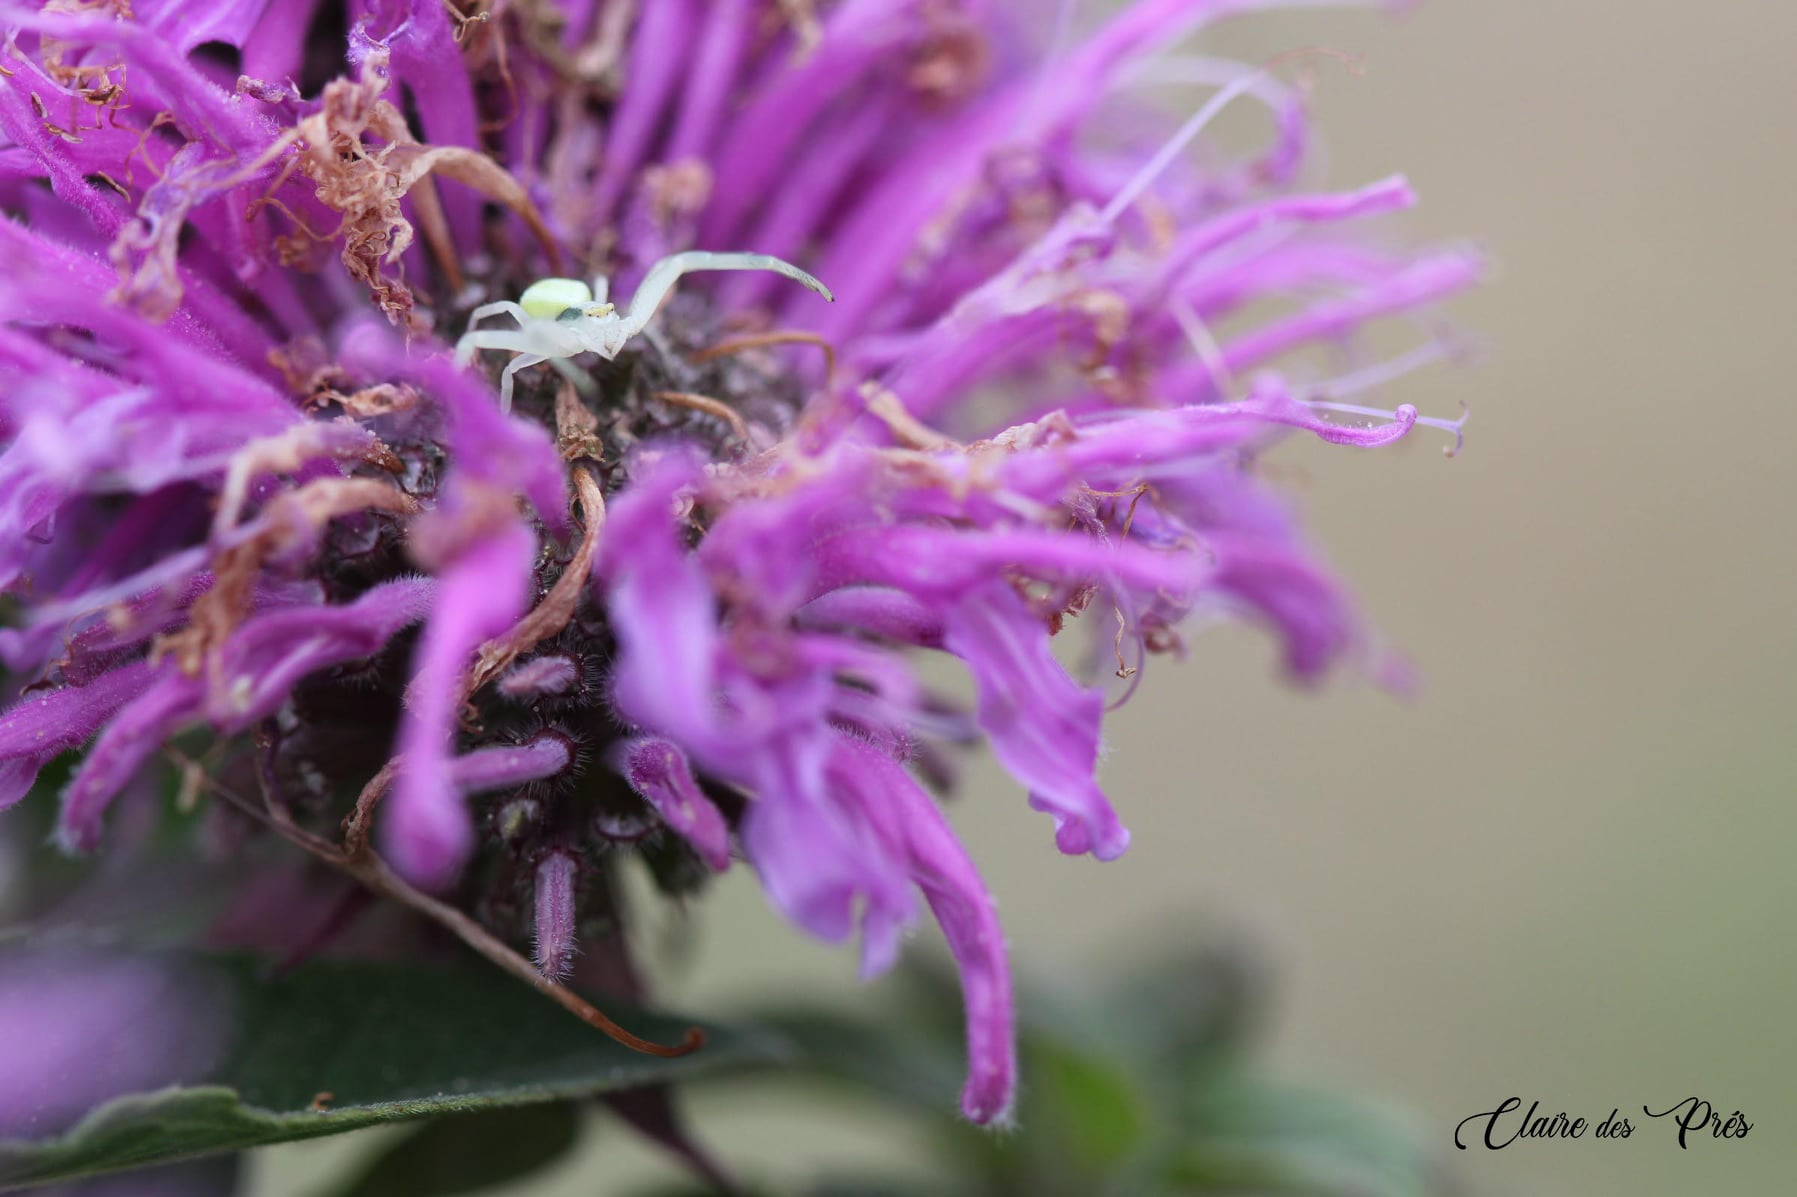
x=363 y=161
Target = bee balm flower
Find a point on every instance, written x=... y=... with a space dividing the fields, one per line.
x=671 y=601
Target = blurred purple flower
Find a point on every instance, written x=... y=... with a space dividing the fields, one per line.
x=80 y=1026
x=234 y=494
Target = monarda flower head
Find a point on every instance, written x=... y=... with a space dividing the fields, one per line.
x=672 y=600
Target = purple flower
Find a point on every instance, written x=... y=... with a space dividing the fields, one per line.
x=248 y=489
x=79 y=1027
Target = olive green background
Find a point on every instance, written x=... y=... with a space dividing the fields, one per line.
x=1563 y=871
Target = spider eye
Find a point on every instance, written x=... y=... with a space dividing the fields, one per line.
x=550 y=298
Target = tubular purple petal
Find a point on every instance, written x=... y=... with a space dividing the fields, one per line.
x=658 y=771
x=134 y=733
x=40 y=727
x=818 y=857
x=656 y=64
x=555 y=914
x=933 y=859
x=507 y=766
x=1044 y=727
x=426 y=829
x=542 y=677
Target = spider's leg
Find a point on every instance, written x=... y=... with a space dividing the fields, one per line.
x=662 y=346
x=486 y=310
x=685 y=376
x=583 y=382
x=601 y=288
x=505 y=379
x=662 y=276
x=515 y=340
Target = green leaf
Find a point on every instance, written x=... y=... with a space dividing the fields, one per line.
x=1273 y=1139
x=464 y=1153
x=898 y=1063
x=1095 y=1115
x=1138 y=1091
x=328 y=1047
x=1188 y=1011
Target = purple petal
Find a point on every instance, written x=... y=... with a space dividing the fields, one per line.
x=937 y=863
x=507 y=766
x=271 y=653
x=40 y=727
x=658 y=771
x=542 y=677
x=662 y=608
x=134 y=733
x=427 y=833
x=555 y=915
x=1044 y=727
x=822 y=866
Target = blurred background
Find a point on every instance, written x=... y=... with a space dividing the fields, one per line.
x=1562 y=872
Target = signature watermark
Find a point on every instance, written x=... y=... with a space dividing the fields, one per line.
x=1499 y=1128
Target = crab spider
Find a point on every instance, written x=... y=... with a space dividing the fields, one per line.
x=560 y=317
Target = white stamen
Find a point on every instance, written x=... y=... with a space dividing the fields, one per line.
x=1195 y=125
x=1163 y=158
x=1057 y=46
x=1210 y=354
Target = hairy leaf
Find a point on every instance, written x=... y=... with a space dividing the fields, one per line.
x=118 y=1060
x=465 y=1153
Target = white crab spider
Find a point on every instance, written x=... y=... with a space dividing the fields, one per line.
x=560 y=317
